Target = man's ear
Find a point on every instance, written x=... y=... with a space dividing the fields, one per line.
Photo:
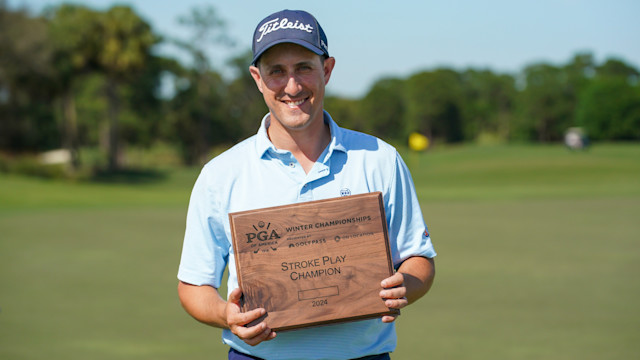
x=329 y=63
x=255 y=74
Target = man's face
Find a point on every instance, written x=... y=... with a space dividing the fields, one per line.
x=292 y=81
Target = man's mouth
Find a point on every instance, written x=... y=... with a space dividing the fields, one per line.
x=292 y=103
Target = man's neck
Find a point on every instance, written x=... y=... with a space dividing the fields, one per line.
x=306 y=144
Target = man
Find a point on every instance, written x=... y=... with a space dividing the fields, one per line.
x=299 y=154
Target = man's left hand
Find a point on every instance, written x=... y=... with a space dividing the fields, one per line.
x=413 y=280
x=394 y=294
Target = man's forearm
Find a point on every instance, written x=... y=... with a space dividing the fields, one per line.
x=204 y=304
x=418 y=274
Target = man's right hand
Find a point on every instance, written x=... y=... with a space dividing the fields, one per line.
x=236 y=320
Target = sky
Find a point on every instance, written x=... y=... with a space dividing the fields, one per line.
x=375 y=39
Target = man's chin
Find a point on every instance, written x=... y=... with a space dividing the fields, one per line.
x=296 y=123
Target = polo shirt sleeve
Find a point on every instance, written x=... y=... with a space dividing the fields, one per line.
x=408 y=233
x=204 y=252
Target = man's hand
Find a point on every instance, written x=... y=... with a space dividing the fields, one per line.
x=413 y=279
x=206 y=305
x=236 y=320
x=394 y=294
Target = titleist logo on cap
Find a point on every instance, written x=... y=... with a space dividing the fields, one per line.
x=277 y=24
x=289 y=26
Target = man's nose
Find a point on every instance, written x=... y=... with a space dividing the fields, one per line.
x=293 y=85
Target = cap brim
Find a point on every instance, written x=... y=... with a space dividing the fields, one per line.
x=302 y=43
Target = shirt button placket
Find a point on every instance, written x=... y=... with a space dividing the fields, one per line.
x=306 y=193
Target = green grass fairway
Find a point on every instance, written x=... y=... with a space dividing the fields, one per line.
x=538 y=259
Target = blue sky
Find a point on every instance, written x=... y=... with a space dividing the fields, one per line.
x=374 y=39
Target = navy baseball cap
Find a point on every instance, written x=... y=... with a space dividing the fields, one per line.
x=289 y=26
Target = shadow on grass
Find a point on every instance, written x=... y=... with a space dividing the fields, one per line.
x=129 y=176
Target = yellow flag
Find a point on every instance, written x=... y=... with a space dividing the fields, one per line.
x=418 y=142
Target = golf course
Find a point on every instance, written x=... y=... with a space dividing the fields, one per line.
x=538 y=257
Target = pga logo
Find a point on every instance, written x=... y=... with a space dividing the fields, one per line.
x=263 y=233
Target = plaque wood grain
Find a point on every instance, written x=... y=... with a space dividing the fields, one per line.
x=313 y=263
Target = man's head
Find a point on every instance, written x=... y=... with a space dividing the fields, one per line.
x=289 y=26
x=291 y=67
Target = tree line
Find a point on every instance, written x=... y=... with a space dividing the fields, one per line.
x=76 y=77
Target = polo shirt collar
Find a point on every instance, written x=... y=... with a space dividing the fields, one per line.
x=264 y=144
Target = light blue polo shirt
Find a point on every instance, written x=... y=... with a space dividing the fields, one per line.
x=254 y=174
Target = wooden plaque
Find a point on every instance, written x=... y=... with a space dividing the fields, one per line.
x=313 y=263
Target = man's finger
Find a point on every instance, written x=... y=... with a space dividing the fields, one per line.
x=243 y=318
x=394 y=293
x=255 y=334
x=396 y=279
x=251 y=332
x=396 y=303
x=389 y=318
x=235 y=296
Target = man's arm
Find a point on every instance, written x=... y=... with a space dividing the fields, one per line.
x=205 y=304
x=412 y=280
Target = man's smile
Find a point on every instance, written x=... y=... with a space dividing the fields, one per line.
x=294 y=103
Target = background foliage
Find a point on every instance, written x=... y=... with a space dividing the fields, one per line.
x=79 y=78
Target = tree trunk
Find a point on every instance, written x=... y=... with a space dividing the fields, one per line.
x=204 y=121
x=70 y=127
x=114 y=138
